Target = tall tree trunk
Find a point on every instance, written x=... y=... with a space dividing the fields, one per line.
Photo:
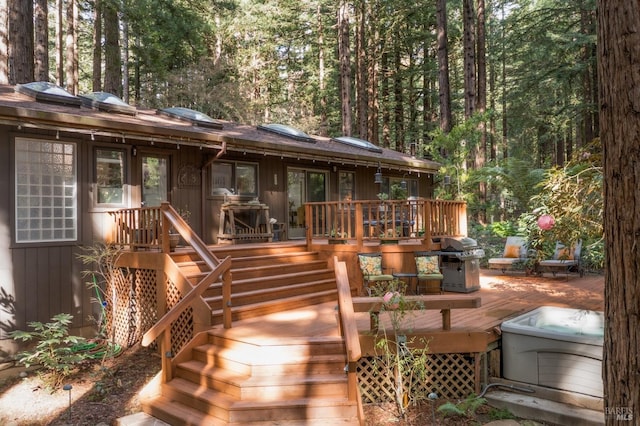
x=21 y=42
x=4 y=40
x=385 y=101
x=97 y=47
x=398 y=95
x=71 y=47
x=444 y=91
x=112 y=65
x=586 y=28
x=41 y=54
x=323 y=128
x=344 y=59
x=361 y=68
x=373 y=74
x=125 y=60
x=503 y=83
x=618 y=71
x=481 y=106
x=60 y=43
x=469 y=46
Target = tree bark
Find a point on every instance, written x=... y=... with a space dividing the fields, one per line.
x=619 y=86
x=59 y=43
x=71 y=47
x=344 y=58
x=21 y=42
x=97 y=47
x=41 y=54
x=112 y=65
x=444 y=91
x=4 y=47
x=361 y=69
x=469 y=46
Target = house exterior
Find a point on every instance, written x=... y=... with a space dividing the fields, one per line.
x=65 y=162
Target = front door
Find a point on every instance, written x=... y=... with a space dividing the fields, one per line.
x=303 y=186
x=155 y=179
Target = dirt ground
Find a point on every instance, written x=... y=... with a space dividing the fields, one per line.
x=102 y=392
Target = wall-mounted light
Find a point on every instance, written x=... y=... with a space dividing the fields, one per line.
x=378 y=176
x=134 y=151
x=403 y=182
x=275 y=179
x=447 y=180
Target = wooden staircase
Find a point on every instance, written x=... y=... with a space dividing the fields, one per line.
x=232 y=382
x=223 y=377
x=266 y=279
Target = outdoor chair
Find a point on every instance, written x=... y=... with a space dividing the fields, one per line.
x=514 y=255
x=428 y=269
x=372 y=270
x=565 y=260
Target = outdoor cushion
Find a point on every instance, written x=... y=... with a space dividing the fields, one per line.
x=427 y=265
x=370 y=265
x=512 y=251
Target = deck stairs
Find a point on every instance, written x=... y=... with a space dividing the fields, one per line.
x=221 y=379
x=265 y=279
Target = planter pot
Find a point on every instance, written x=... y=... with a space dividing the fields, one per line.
x=337 y=241
x=388 y=241
x=174 y=239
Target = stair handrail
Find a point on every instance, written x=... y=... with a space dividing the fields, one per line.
x=349 y=331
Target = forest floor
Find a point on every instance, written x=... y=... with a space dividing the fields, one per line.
x=103 y=391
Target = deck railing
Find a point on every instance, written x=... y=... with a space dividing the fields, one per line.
x=364 y=220
x=349 y=332
x=149 y=228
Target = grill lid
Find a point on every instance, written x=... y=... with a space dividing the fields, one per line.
x=458 y=244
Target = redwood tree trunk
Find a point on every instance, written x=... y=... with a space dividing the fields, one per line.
x=344 y=57
x=20 y=42
x=444 y=92
x=619 y=83
x=41 y=54
x=112 y=62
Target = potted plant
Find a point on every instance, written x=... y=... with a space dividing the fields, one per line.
x=337 y=237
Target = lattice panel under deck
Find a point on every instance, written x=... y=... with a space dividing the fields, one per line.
x=451 y=376
x=145 y=294
x=182 y=328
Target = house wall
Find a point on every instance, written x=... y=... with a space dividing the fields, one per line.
x=38 y=281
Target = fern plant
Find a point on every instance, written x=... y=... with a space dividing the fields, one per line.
x=54 y=349
x=465 y=408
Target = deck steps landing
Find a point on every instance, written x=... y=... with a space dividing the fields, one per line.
x=295 y=381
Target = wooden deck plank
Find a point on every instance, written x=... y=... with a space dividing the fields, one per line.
x=503 y=296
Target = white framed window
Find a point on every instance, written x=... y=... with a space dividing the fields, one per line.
x=46 y=180
x=110 y=176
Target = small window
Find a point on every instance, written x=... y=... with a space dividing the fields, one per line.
x=234 y=179
x=110 y=176
x=46 y=207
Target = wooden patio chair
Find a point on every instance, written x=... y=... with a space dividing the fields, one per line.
x=372 y=270
x=515 y=252
x=427 y=269
x=565 y=260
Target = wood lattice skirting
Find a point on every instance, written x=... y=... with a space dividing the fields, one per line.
x=450 y=376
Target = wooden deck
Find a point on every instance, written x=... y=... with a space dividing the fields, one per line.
x=503 y=296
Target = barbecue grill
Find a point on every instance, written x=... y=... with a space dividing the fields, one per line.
x=460 y=264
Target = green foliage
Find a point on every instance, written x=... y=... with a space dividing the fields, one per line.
x=403 y=361
x=54 y=350
x=465 y=408
x=101 y=260
x=501 y=414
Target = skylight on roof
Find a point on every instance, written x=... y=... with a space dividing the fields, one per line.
x=104 y=101
x=195 y=117
x=288 y=131
x=358 y=143
x=43 y=91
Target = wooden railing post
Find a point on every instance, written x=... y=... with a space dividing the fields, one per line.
x=227 y=318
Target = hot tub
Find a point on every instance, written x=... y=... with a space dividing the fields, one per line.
x=559 y=348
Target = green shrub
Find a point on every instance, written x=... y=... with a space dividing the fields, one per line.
x=53 y=350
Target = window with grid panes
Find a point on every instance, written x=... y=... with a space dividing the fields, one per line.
x=45 y=191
